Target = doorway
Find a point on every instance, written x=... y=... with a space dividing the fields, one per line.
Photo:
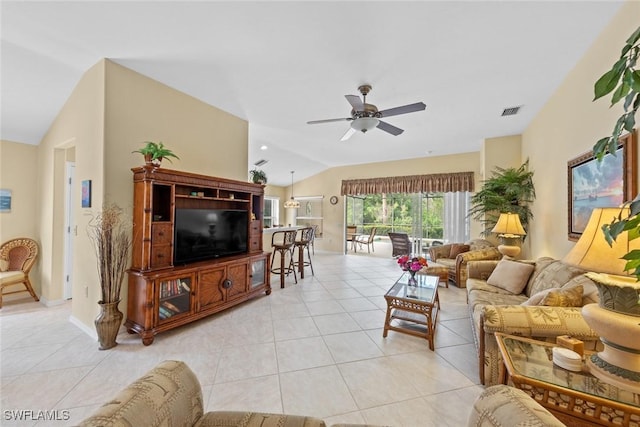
x=69 y=229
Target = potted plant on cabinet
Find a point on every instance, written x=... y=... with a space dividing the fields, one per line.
x=154 y=152
x=110 y=234
x=508 y=190
x=258 y=176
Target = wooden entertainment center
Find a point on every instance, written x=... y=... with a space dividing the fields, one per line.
x=164 y=294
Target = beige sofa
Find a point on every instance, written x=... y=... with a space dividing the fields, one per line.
x=456 y=256
x=495 y=305
x=170 y=396
x=502 y=405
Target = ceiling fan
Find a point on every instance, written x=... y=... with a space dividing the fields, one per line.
x=365 y=117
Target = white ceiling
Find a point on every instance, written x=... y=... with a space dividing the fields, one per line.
x=281 y=64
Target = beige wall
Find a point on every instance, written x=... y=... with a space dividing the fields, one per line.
x=567 y=126
x=76 y=133
x=18 y=174
x=110 y=113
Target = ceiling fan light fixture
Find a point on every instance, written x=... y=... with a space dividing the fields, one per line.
x=364 y=124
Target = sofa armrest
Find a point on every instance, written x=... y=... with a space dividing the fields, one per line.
x=538 y=322
x=480 y=269
x=441 y=251
x=240 y=418
x=169 y=394
x=463 y=259
x=502 y=405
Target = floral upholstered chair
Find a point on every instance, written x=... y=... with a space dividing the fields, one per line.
x=456 y=256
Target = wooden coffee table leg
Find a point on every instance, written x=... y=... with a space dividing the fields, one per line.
x=387 y=320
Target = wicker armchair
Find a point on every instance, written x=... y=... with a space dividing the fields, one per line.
x=17 y=256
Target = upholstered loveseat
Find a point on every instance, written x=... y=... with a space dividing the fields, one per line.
x=548 y=304
x=456 y=256
x=170 y=396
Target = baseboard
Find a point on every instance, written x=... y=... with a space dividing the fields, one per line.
x=52 y=303
x=84 y=328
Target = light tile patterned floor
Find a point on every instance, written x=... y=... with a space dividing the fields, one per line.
x=314 y=348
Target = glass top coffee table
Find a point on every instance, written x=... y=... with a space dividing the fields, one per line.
x=575 y=398
x=413 y=309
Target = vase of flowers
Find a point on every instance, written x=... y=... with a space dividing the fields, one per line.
x=412 y=265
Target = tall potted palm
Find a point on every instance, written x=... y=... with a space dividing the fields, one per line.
x=110 y=233
x=508 y=190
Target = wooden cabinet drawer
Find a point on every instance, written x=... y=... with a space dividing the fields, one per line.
x=161 y=234
x=254 y=244
x=161 y=256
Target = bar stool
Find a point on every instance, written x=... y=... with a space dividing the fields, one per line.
x=303 y=242
x=283 y=242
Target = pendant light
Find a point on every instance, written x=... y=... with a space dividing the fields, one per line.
x=291 y=203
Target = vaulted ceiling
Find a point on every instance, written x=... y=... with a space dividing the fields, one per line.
x=281 y=64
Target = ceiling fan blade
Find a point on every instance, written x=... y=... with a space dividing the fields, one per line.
x=314 y=122
x=418 y=106
x=355 y=102
x=348 y=134
x=389 y=128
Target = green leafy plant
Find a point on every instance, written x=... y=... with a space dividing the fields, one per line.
x=624 y=81
x=156 y=151
x=508 y=190
x=258 y=176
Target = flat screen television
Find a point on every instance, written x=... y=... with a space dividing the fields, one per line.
x=201 y=234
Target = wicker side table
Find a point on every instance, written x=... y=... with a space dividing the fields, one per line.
x=575 y=398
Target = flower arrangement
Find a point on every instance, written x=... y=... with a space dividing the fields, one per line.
x=414 y=264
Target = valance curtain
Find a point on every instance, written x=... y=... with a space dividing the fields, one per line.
x=433 y=183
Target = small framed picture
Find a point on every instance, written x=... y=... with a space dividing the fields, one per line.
x=5 y=200
x=86 y=193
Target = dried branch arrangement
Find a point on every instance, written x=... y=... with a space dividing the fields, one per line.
x=111 y=236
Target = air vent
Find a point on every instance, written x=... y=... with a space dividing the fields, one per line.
x=261 y=162
x=511 y=111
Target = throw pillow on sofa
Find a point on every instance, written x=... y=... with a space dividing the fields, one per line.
x=511 y=276
x=570 y=297
x=457 y=249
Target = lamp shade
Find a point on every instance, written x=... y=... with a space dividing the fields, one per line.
x=291 y=204
x=509 y=226
x=364 y=124
x=592 y=252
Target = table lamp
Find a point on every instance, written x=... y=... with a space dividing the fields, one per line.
x=616 y=318
x=509 y=228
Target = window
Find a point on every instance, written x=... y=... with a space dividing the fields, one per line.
x=433 y=217
x=271 y=215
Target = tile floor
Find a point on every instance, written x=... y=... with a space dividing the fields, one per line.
x=314 y=348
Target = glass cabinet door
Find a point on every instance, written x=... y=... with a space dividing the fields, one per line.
x=257 y=272
x=174 y=298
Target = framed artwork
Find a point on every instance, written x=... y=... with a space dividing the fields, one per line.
x=86 y=193
x=5 y=200
x=593 y=184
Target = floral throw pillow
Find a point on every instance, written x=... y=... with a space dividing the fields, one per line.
x=570 y=297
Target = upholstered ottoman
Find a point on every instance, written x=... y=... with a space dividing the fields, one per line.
x=435 y=269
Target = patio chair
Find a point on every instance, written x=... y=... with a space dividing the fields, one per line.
x=400 y=244
x=366 y=240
